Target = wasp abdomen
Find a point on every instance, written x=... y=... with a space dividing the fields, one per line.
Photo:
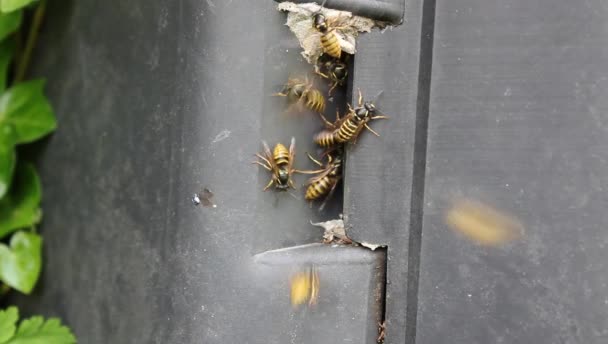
x=280 y=154
x=330 y=44
x=315 y=101
x=326 y=138
x=319 y=188
x=347 y=131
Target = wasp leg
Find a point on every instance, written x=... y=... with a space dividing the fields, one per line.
x=259 y=163
x=326 y=122
x=333 y=87
x=370 y=129
x=380 y=117
x=322 y=74
x=264 y=159
x=279 y=94
x=291 y=184
x=360 y=98
x=309 y=171
x=314 y=160
x=331 y=192
x=269 y=184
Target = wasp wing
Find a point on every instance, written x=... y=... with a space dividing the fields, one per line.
x=269 y=156
x=292 y=155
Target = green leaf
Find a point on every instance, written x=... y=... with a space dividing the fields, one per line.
x=20 y=208
x=7 y=49
x=37 y=331
x=7 y=159
x=8 y=322
x=26 y=107
x=9 y=23
x=20 y=264
x=12 y=5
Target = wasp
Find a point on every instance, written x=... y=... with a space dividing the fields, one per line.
x=348 y=128
x=303 y=93
x=324 y=184
x=305 y=287
x=483 y=224
x=329 y=39
x=335 y=71
x=280 y=163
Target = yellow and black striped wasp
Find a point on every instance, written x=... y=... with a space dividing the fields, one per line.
x=328 y=36
x=302 y=93
x=280 y=163
x=334 y=70
x=305 y=287
x=324 y=184
x=348 y=128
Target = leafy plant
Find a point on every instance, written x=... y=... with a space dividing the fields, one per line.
x=34 y=330
x=25 y=116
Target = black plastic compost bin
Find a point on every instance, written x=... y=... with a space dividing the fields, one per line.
x=504 y=102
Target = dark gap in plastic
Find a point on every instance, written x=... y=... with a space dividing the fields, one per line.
x=419 y=170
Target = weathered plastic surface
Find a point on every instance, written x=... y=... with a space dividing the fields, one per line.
x=379 y=170
x=518 y=120
x=159 y=100
x=383 y=10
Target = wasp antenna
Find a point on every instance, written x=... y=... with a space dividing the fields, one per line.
x=292 y=195
x=377 y=98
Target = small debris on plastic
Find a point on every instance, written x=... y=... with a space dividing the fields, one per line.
x=204 y=198
x=348 y=26
x=335 y=232
x=483 y=224
x=381 y=332
x=370 y=246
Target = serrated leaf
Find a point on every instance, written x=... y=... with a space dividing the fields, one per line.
x=26 y=107
x=9 y=23
x=7 y=49
x=12 y=5
x=36 y=331
x=20 y=264
x=7 y=158
x=8 y=323
x=20 y=208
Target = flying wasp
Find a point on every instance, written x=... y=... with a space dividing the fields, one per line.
x=336 y=71
x=280 y=163
x=303 y=93
x=348 y=128
x=305 y=287
x=324 y=184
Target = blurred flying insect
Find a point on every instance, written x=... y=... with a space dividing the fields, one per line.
x=348 y=128
x=280 y=163
x=324 y=184
x=305 y=287
x=483 y=224
x=334 y=70
x=302 y=93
